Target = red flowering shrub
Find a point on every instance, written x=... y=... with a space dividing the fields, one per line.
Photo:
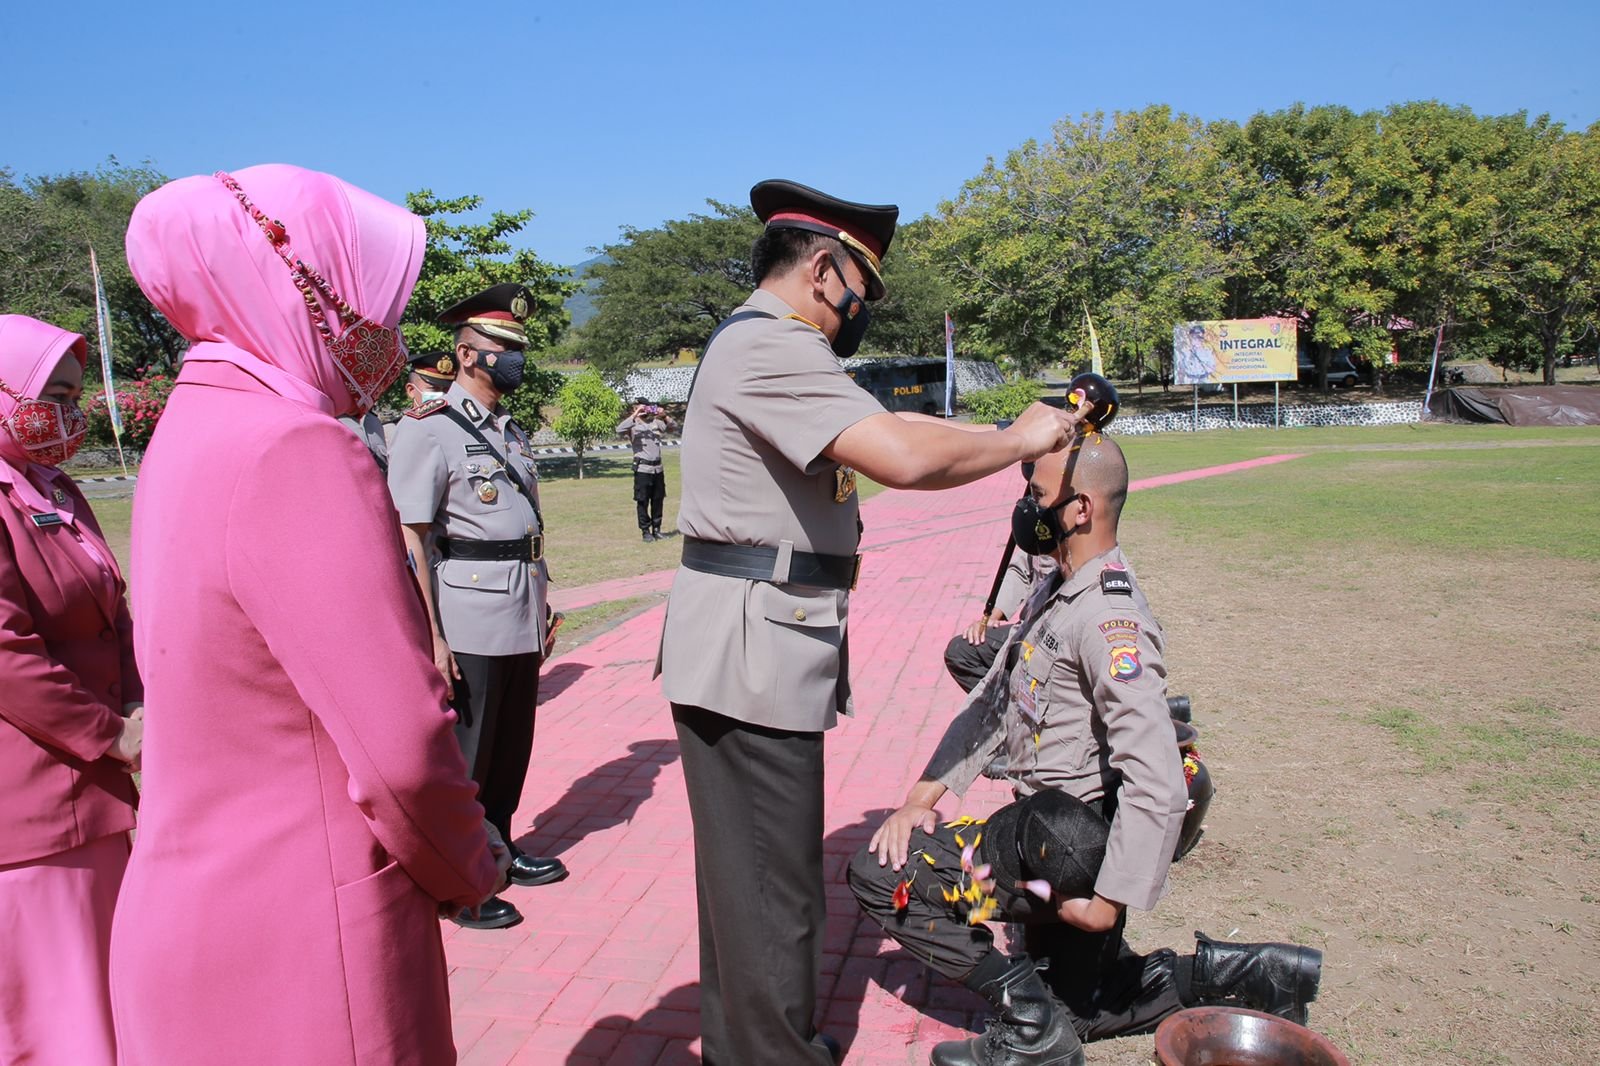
x=141 y=403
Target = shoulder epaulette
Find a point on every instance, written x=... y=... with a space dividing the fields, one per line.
x=431 y=407
x=1114 y=580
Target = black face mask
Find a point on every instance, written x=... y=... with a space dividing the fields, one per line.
x=851 y=328
x=506 y=374
x=1037 y=529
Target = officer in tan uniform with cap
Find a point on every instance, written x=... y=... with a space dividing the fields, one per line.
x=754 y=654
x=429 y=376
x=1077 y=699
x=463 y=480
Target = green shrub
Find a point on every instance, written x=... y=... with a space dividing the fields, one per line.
x=1003 y=401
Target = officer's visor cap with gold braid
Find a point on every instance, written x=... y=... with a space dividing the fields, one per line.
x=497 y=312
x=864 y=229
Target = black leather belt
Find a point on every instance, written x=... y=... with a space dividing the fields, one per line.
x=523 y=549
x=756 y=562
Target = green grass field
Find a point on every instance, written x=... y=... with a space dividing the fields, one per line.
x=1446 y=488
x=1456 y=487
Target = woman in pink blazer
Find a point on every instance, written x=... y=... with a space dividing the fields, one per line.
x=306 y=810
x=67 y=742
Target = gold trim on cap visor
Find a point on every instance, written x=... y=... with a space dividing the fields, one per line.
x=509 y=329
x=855 y=245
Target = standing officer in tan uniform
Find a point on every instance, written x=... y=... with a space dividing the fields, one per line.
x=463 y=480
x=644 y=427
x=430 y=376
x=1077 y=698
x=754 y=651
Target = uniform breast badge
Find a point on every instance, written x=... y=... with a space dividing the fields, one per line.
x=487 y=492
x=844 y=484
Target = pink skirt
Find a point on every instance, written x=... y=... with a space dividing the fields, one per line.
x=55 y=1004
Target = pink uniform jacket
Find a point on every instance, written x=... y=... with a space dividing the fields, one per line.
x=66 y=660
x=305 y=807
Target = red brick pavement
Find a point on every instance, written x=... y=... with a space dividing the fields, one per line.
x=605 y=967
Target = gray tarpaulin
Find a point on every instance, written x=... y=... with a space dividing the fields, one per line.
x=1545 y=405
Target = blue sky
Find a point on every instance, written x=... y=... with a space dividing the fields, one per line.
x=599 y=115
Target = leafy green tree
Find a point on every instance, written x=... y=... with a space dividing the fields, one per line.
x=1546 y=269
x=1121 y=216
x=1305 y=224
x=463 y=258
x=667 y=288
x=590 y=411
x=47 y=226
x=909 y=320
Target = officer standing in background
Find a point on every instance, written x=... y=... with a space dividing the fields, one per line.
x=754 y=652
x=461 y=472
x=430 y=377
x=368 y=429
x=644 y=427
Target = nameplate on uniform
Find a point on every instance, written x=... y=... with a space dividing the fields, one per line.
x=45 y=521
x=1116 y=582
x=479 y=449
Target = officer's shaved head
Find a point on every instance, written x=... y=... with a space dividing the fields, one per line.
x=1093 y=464
x=1102 y=471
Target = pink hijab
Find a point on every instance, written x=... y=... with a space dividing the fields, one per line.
x=207 y=266
x=29 y=352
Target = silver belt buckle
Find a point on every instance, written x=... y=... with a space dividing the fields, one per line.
x=535 y=547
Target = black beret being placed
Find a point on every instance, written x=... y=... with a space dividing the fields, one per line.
x=865 y=229
x=1049 y=836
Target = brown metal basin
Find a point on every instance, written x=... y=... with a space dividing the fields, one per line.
x=1225 y=1036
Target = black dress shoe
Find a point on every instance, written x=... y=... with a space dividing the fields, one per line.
x=527 y=870
x=495 y=914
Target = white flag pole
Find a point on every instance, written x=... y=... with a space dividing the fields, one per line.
x=102 y=316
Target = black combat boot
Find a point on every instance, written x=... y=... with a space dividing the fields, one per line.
x=1032 y=1029
x=1279 y=979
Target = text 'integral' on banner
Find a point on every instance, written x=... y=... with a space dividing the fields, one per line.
x=1233 y=351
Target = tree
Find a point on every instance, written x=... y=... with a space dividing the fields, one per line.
x=1546 y=271
x=47 y=226
x=464 y=258
x=909 y=320
x=1305 y=222
x=667 y=288
x=590 y=411
x=1120 y=216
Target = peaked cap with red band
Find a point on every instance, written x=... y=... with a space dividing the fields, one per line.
x=864 y=229
x=438 y=368
x=497 y=312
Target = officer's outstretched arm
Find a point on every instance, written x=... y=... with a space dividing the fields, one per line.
x=925 y=455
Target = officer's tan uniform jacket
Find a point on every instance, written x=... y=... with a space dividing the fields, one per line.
x=770 y=396
x=438 y=475
x=1078 y=697
x=644 y=434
